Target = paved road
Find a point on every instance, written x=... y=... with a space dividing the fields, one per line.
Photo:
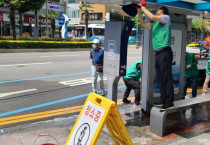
x=57 y=82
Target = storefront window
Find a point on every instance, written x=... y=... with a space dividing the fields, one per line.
x=74 y=14
x=70 y=14
x=78 y=13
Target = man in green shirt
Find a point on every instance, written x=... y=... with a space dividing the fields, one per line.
x=133 y=74
x=191 y=74
x=206 y=83
x=161 y=42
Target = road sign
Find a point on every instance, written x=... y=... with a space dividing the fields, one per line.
x=61 y=20
x=97 y=112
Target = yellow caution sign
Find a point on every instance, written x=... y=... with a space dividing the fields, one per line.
x=97 y=112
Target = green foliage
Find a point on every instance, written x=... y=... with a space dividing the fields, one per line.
x=85 y=6
x=43 y=44
x=136 y=21
x=15 y=3
x=197 y=26
x=37 y=4
x=51 y=14
x=25 y=7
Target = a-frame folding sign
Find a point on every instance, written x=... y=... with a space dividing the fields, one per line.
x=97 y=112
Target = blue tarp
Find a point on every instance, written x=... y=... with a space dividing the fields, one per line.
x=196 y=5
x=192 y=5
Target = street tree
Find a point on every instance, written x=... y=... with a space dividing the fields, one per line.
x=13 y=5
x=52 y=15
x=197 y=27
x=24 y=7
x=36 y=5
x=86 y=8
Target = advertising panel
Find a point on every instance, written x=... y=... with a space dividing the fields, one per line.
x=176 y=45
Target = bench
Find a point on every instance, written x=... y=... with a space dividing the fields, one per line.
x=158 y=119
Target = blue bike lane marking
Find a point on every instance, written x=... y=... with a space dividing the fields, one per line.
x=46 y=104
x=38 y=78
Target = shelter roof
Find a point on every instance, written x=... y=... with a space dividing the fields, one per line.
x=189 y=7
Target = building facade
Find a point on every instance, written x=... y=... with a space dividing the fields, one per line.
x=97 y=17
x=29 y=19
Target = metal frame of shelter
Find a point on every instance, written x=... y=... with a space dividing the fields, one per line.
x=179 y=9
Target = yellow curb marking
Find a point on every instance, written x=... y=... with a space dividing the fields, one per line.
x=45 y=114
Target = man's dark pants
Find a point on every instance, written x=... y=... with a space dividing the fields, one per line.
x=163 y=68
x=187 y=81
x=132 y=84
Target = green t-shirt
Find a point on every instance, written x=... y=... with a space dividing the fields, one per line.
x=191 y=60
x=133 y=72
x=161 y=34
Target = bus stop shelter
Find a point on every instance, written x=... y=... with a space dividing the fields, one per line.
x=179 y=9
x=115 y=56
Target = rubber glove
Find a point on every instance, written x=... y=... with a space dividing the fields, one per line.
x=143 y=3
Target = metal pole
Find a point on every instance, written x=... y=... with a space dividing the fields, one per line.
x=46 y=18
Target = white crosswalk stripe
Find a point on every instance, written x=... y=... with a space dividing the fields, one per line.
x=17 y=92
x=78 y=82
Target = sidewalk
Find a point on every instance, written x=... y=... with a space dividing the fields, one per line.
x=192 y=128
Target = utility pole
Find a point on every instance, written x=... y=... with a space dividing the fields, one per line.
x=46 y=17
x=47 y=31
x=65 y=7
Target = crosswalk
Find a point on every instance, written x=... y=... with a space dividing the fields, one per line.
x=78 y=82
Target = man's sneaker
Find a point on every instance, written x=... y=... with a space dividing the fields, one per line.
x=136 y=105
x=126 y=101
x=103 y=93
x=158 y=104
x=164 y=108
